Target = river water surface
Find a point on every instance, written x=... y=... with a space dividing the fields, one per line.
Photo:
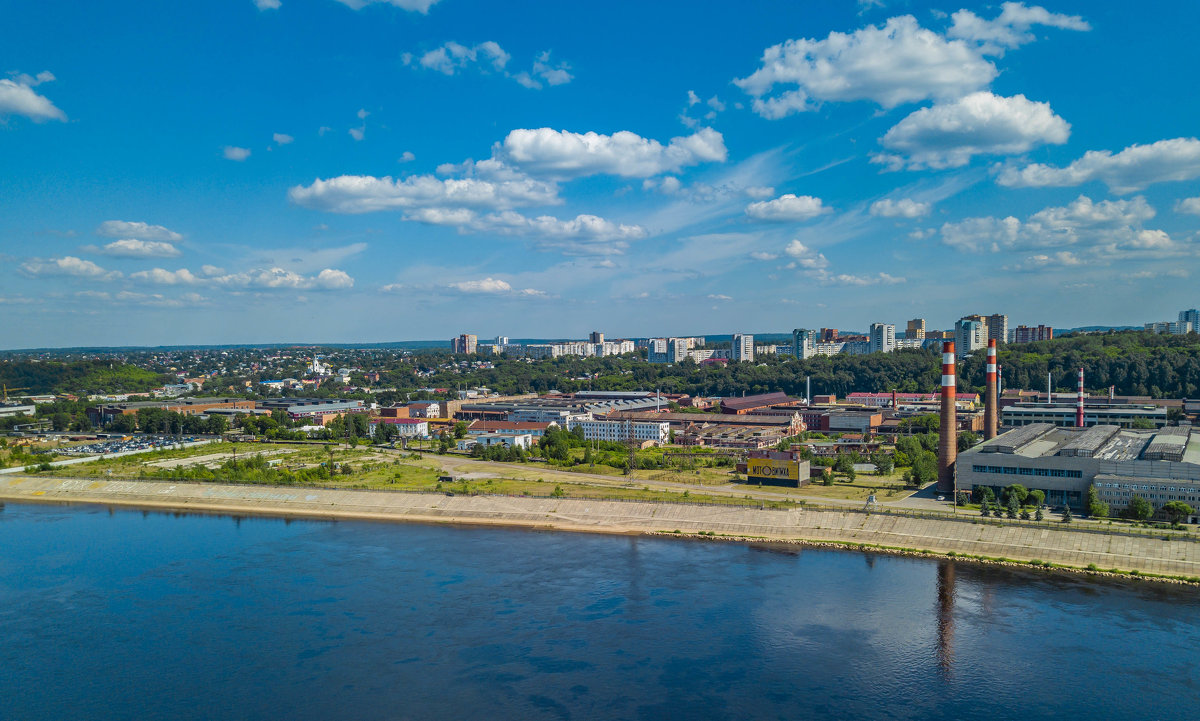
x=126 y=614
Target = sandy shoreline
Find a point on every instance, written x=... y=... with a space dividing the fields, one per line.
x=962 y=539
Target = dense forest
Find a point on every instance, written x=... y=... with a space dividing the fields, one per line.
x=80 y=377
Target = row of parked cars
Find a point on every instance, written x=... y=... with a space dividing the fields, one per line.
x=124 y=445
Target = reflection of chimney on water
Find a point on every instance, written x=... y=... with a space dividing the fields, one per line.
x=945 y=615
x=948 y=433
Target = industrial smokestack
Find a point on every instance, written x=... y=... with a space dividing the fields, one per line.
x=990 y=399
x=1079 y=403
x=948 y=435
x=1049 y=391
x=808 y=390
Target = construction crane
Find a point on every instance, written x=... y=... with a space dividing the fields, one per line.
x=7 y=389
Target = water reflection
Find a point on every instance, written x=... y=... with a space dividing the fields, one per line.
x=945 y=617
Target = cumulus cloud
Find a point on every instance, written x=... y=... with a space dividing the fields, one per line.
x=137 y=229
x=763 y=255
x=134 y=248
x=259 y=278
x=903 y=208
x=69 y=266
x=17 y=97
x=406 y=157
x=804 y=257
x=898 y=62
x=452 y=57
x=1097 y=232
x=947 y=136
x=235 y=153
x=787 y=207
x=1129 y=171
x=1011 y=28
x=282 y=138
x=562 y=153
x=545 y=71
x=365 y=193
x=493 y=286
x=1188 y=205
x=582 y=235
x=420 y=6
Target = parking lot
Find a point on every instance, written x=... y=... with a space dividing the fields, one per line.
x=140 y=443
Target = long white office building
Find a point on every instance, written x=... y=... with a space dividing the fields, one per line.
x=619 y=431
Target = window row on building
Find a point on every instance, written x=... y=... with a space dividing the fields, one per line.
x=1012 y=471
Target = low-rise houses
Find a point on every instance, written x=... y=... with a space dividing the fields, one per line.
x=619 y=431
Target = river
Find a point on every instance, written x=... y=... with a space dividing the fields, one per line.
x=124 y=614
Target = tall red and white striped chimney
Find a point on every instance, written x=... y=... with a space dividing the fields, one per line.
x=991 y=418
x=948 y=433
x=1079 y=403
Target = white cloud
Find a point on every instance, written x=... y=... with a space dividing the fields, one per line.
x=234 y=153
x=544 y=70
x=903 y=208
x=407 y=157
x=582 y=235
x=787 y=207
x=760 y=192
x=1097 y=232
x=898 y=62
x=267 y=4
x=212 y=270
x=719 y=296
x=160 y=276
x=544 y=151
x=365 y=193
x=282 y=138
x=1010 y=28
x=358 y=133
x=947 y=136
x=135 y=229
x=18 y=98
x=420 y=6
x=134 y=248
x=763 y=255
x=857 y=280
x=493 y=286
x=451 y=57
x=33 y=80
x=259 y=278
x=1129 y=171
x=1188 y=205
x=805 y=257
x=68 y=266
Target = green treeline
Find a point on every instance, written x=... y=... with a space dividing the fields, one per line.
x=80 y=377
x=1137 y=363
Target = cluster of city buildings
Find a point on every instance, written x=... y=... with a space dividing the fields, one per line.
x=595 y=345
x=1188 y=322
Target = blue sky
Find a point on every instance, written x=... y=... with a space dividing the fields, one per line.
x=243 y=171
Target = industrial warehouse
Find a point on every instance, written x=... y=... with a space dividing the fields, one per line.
x=1160 y=466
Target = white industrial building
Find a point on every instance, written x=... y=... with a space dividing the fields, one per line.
x=619 y=431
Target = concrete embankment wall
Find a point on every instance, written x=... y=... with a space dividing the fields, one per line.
x=1076 y=548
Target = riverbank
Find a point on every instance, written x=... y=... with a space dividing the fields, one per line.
x=965 y=538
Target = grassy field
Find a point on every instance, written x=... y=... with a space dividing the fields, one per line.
x=363 y=467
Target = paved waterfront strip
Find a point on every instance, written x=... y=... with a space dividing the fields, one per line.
x=1067 y=547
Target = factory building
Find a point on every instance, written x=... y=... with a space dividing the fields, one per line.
x=1160 y=466
x=1064 y=414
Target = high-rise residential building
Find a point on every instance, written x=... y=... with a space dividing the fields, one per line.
x=1028 y=334
x=501 y=340
x=1190 y=316
x=804 y=343
x=915 y=329
x=465 y=343
x=743 y=347
x=997 y=327
x=969 y=335
x=883 y=338
x=595 y=337
x=829 y=335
